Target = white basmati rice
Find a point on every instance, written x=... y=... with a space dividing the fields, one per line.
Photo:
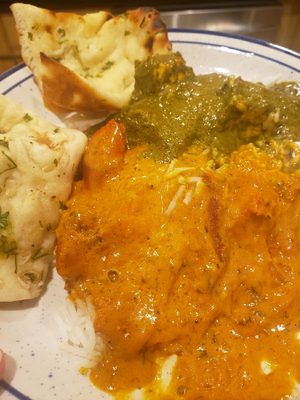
x=78 y=336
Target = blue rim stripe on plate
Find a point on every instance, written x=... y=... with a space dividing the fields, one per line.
x=18 y=395
x=201 y=31
x=239 y=50
x=240 y=37
x=11 y=71
x=17 y=84
x=20 y=66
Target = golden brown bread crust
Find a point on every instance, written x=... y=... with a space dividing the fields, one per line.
x=64 y=90
x=149 y=19
x=61 y=47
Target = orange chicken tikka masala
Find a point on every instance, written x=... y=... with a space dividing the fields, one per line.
x=191 y=257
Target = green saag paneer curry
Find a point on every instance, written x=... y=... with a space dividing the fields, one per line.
x=172 y=108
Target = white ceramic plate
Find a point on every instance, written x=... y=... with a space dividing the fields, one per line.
x=36 y=367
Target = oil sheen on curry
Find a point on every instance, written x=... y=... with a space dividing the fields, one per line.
x=187 y=240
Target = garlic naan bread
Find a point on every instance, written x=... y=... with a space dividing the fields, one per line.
x=37 y=165
x=87 y=63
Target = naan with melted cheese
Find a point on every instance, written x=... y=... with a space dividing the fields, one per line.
x=37 y=165
x=87 y=63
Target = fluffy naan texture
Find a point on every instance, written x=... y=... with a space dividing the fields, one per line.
x=86 y=63
x=37 y=166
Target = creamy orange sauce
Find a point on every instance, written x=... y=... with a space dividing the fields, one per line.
x=181 y=259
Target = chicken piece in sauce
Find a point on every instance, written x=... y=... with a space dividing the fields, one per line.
x=181 y=259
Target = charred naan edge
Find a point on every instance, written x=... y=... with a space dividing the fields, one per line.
x=37 y=165
x=87 y=62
